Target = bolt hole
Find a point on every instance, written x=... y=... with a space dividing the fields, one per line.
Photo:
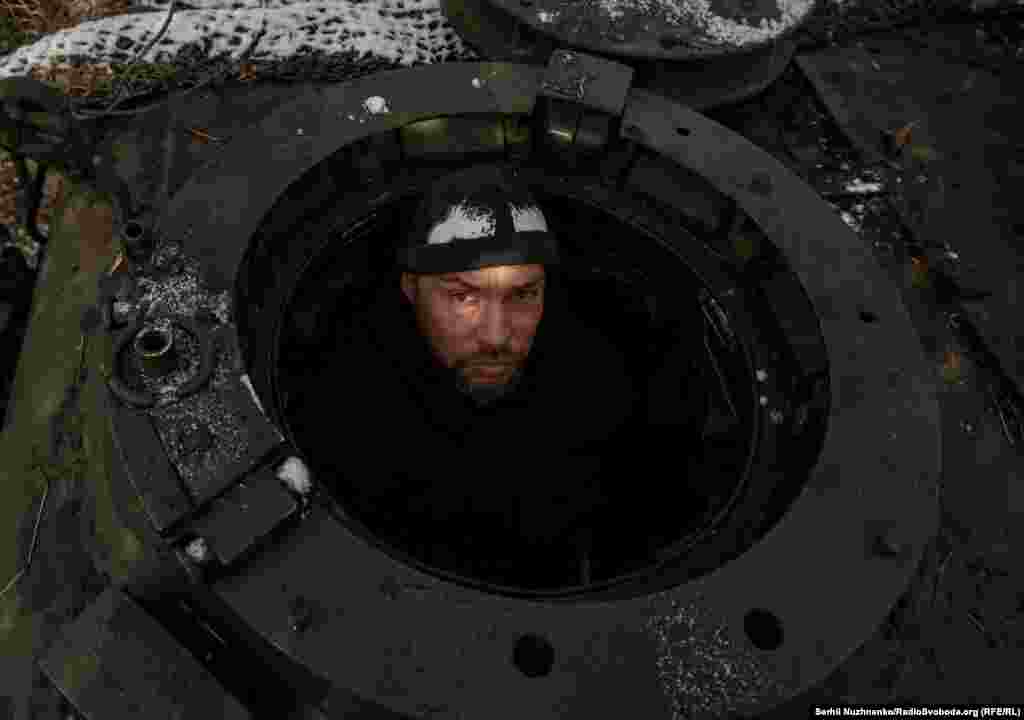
x=763 y=628
x=133 y=230
x=867 y=316
x=683 y=131
x=534 y=656
x=154 y=341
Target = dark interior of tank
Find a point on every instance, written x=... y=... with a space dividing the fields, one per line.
x=643 y=300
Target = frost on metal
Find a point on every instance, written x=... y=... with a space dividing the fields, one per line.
x=698 y=15
x=858 y=186
x=252 y=391
x=213 y=412
x=405 y=32
x=375 y=105
x=702 y=671
x=295 y=475
x=176 y=290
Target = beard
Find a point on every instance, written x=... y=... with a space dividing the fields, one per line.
x=486 y=394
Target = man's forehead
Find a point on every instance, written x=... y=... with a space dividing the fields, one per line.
x=503 y=275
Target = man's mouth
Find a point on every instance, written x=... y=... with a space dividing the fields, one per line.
x=490 y=370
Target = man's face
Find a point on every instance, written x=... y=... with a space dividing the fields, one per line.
x=481 y=323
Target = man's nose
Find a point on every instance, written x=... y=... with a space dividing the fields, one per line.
x=494 y=330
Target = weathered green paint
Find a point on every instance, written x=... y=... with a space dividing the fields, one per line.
x=11 y=36
x=43 y=411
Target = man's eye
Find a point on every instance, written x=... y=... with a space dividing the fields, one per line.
x=532 y=294
x=461 y=296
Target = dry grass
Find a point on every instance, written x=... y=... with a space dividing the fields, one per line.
x=42 y=17
x=49 y=16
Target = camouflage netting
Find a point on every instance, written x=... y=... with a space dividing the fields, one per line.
x=208 y=40
x=268 y=39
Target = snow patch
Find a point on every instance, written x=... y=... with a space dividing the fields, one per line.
x=295 y=475
x=464 y=221
x=698 y=14
x=375 y=105
x=859 y=186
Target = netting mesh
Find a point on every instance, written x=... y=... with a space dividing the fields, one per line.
x=208 y=41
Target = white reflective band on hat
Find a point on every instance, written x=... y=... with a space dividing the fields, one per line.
x=528 y=219
x=463 y=222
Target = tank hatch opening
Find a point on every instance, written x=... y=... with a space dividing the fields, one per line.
x=658 y=292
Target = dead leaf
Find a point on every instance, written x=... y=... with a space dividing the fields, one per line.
x=202 y=136
x=919 y=272
x=117 y=263
x=901 y=137
x=952 y=367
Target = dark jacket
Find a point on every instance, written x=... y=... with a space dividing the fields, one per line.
x=402 y=446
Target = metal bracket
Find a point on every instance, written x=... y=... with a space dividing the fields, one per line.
x=116 y=660
x=583 y=96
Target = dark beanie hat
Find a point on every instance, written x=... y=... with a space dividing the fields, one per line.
x=475 y=218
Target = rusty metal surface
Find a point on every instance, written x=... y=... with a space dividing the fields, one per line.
x=465 y=641
x=115 y=661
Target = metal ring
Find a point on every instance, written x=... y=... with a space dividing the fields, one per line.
x=735 y=616
x=146 y=399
